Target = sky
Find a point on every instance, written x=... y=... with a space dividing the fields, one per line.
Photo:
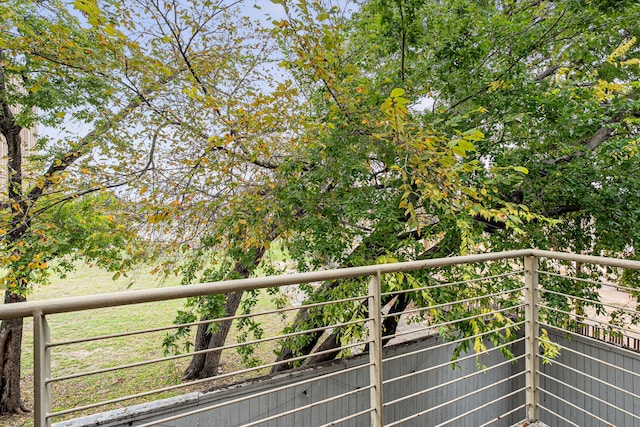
x=264 y=8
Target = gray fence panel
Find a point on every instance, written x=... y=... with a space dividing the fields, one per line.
x=586 y=401
x=270 y=404
x=444 y=394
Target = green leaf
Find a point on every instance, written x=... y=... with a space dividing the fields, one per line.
x=459 y=151
x=466 y=145
x=473 y=135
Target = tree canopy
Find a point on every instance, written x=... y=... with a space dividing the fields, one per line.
x=438 y=128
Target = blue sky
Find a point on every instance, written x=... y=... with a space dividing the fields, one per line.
x=264 y=8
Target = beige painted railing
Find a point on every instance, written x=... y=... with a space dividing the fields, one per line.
x=530 y=293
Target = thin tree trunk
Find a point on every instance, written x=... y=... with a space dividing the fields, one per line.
x=11 y=330
x=389 y=327
x=390 y=324
x=302 y=319
x=10 y=350
x=206 y=365
x=331 y=342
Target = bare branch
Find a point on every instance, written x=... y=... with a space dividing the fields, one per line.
x=550 y=70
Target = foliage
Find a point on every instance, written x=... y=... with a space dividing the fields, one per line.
x=77 y=229
x=494 y=127
x=150 y=124
x=47 y=76
x=393 y=130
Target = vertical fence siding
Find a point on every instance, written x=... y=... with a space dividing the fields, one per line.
x=408 y=384
x=424 y=388
x=559 y=380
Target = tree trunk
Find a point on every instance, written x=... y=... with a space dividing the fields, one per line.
x=390 y=324
x=10 y=350
x=302 y=318
x=11 y=330
x=331 y=342
x=206 y=365
x=389 y=327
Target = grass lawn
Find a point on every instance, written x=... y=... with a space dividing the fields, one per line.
x=94 y=355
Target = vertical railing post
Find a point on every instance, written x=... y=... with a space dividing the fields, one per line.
x=41 y=370
x=532 y=377
x=375 y=350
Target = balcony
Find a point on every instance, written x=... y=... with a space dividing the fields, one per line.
x=496 y=339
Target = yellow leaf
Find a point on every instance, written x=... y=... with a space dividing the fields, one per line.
x=397 y=92
x=621 y=50
x=521 y=169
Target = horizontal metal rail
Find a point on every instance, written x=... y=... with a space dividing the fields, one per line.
x=262 y=393
x=309 y=406
x=449 y=323
x=590 y=281
x=443 y=305
x=577 y=334
x=590 y=396
x=448 y=284
x=573 y=405
x=457 y=399
x=209 y=350
x=70 y=304
x=586 y=259
x=348 y=417
x=483 y=406
x=221 y=376
x=448 y=363
x=591 y=320
x=587 y=300
x=451 y=382
x=595 y=359
x=457 y=341
x=202 y=322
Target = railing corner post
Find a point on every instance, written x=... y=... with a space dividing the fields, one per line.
x=41 y=370
x=375 y=350
x=532 y=327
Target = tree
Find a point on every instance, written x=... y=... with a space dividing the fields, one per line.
x=152 y=102
x=366 y=179
x=560 y=85
x=47 y=71
x=541 y=93
x=227 y=122
x=528 y=137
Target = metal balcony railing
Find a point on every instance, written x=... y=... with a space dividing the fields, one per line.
x=541 y=344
